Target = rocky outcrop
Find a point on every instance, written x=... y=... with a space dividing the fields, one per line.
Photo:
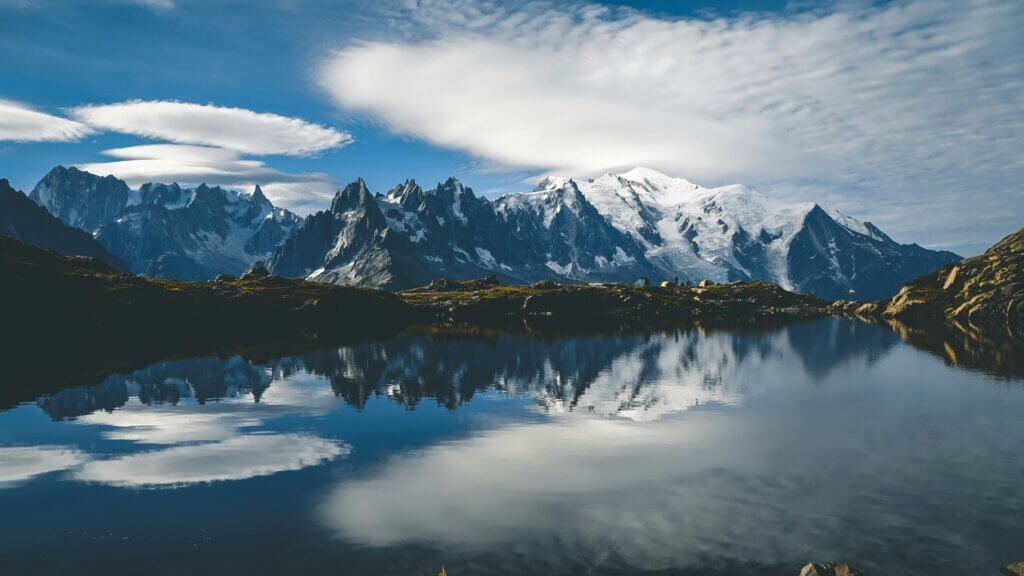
x=980 y=294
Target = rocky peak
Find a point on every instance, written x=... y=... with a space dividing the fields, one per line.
x=353 y=195
x=258 y=197
x=407 y=194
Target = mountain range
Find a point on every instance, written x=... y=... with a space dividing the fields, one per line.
x=614 y=228
x=165 y=230
x=617 y=227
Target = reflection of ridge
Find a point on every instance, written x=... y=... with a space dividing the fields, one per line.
x=204 y=379
x=639 y=376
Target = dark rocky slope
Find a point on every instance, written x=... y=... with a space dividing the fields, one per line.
x=24 y=220
x=51 y=300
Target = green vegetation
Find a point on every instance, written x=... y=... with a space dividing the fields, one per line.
x=485 y=302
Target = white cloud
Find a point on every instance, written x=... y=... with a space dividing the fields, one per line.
x=236 y=129
x=21 y=123
x=235 y=458
x=914 y=102
x=302 y=192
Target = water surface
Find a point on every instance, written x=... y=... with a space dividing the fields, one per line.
x=691 y=451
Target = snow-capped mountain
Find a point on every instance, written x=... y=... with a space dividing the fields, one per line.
x=734 y=233
x=617 y=227
x=166 y=230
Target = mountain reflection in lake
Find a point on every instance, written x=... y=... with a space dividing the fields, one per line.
x=689 y=451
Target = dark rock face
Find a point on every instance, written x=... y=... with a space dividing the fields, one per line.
x=30 y=223
x=829 y=260
x=410 y=236
x=164 y=230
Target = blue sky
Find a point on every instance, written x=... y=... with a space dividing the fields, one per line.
x=907 y=114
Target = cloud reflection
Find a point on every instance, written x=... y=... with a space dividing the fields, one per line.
x=18 y=463
x=235 y=458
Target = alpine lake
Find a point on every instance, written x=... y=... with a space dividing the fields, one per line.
x=746 y=451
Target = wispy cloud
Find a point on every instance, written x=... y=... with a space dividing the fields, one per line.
x=21 y=123
x=302 y=192
x=890 y=107
x=237 y=129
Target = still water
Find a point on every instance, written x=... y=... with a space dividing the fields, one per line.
x=689 y=452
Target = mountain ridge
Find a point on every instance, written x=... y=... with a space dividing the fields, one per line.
x=614 y=228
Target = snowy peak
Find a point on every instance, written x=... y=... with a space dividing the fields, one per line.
x=352 y=196
x=408 y=193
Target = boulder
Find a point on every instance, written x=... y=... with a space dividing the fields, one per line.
x=544 y=285
x=256 y=272
x=222 y=278
x=705 y=283
x=828 y=569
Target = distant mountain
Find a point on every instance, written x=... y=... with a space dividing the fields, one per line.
x=165 y=230
x=614 y=228
x=23 y=220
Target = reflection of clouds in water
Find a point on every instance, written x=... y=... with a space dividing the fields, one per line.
x=802 y=467
x=186 y=422
x=522 y=482
x=19 y=463
x=235 y=458
x=209 y=442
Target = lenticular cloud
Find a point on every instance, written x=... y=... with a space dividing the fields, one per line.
x=236 y=129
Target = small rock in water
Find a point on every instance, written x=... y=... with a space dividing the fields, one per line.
x=1015 y=569
x=828 y=569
